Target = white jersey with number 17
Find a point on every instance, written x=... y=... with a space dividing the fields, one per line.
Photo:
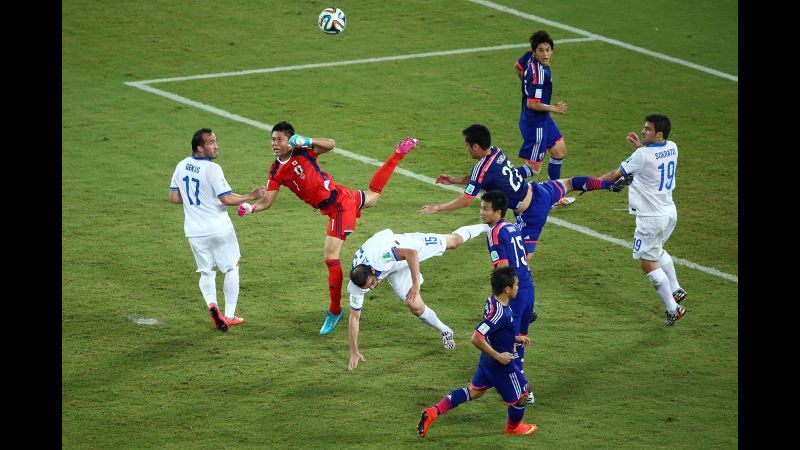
x=653 y=167
x=201 y=183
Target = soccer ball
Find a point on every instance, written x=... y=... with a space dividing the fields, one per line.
x=332 y=20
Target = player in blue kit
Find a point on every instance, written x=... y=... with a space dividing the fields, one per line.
x=496 y=339
x=539 y=131
x=506 y=249
x=531 y=201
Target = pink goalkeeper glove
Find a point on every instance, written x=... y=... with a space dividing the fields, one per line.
x=245 y=209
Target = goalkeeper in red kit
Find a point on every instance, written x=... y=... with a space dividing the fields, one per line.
x=296 y=168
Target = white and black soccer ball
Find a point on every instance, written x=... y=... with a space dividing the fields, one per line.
x=332 y=20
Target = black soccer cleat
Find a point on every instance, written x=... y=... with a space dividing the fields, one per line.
x=215 y=316
x=679 y=295
x=621 y=182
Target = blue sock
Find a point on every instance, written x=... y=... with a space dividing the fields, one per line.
x=587 y=184
x=515 y=415
x=554 y=168
x=525 y=171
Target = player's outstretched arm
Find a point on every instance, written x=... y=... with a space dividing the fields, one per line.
x=449 y=179
x=353 y=325
x=612 y=175
x=457 y=203
x=263 y=203
x=233 y=199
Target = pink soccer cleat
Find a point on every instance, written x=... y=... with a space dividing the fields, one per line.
x=234 y=321
x=406 y=145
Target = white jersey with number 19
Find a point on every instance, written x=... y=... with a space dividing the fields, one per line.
x=201 y=183
x=653 y=166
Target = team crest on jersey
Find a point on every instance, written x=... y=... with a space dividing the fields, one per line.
x=299 y=171
x=469 y=189
x=494 y=255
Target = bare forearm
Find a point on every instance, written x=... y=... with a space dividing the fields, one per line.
x=484 y=346
x=354 y=322
x=456 y=203
x=323 y=145
x=612 y=175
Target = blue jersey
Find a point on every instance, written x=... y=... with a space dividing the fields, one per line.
x=537 y=85
x=522 y=63
x=505 y=244
x=497 y=328
x=495 y=171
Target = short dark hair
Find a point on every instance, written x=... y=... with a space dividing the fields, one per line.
x=360 y=275
x=478 y=134
x=284 y=126
x=503 y=277
x=497 y=199
x=541 y=36
x=197 y=139
x=660 y=123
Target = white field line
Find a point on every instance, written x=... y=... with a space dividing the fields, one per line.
x=416 y=176
x=357 y=61
x=598 y=37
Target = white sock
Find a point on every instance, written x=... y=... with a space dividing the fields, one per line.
x=208 y=287
x=468 y=232
x=661 y=283
x=431 y=319
x=665 y=261
x=231 y=289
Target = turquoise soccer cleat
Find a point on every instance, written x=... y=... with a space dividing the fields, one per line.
x=330 y=322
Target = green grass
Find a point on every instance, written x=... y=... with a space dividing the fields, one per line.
x=605 y=371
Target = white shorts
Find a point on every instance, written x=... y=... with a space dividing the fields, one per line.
x=427 y=246
x=220 y=250
x=651 y=233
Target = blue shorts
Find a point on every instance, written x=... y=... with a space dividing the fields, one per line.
x=522 y=309
x=509 y=381
x=537 y=139
x=533 y=219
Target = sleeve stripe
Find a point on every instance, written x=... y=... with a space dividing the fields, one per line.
x=223 y=194
x=622 y=169
x=173 y=189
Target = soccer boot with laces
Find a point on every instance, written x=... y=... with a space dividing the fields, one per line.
x=232 y=321
x=679 y=295
x=672 y=318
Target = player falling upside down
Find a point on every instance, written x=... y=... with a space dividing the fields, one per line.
x=296 y=167
x=495 y=338
x=396 y=258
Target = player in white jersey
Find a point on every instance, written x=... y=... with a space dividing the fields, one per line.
x=199 y=184
x=652 y=169
x=396 y=258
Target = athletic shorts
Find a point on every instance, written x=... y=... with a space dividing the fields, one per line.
x=220 y=250
x=509 y=381
x=343 y=212
x=427 y=246
x=533 y=219
x=537 y=139
x=651 y=234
